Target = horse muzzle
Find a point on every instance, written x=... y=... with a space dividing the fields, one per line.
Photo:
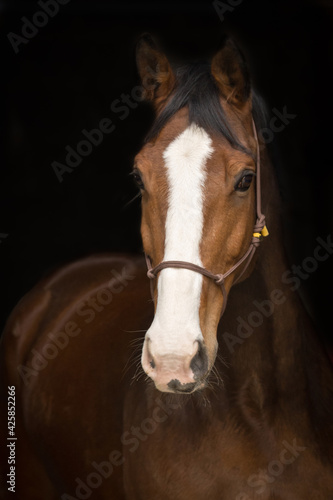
x=176 y=372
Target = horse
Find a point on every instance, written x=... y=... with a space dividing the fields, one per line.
x=204 y=379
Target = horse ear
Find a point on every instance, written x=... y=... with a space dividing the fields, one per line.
x=231 y=74
x=156 y=75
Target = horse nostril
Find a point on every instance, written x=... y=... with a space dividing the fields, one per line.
x=149 y=359
x=199 y=363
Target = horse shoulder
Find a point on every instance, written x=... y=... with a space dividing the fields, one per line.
x=65 y=347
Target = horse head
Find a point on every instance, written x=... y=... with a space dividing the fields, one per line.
x=196 y=174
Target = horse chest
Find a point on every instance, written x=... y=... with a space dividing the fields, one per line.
x=172 y=453
x=170 y=467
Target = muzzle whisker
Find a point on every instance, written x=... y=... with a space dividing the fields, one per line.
x=222 y=360
x=133 y=359
x=135 y=331
x=137 y=341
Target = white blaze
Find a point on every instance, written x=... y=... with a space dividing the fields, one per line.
x=176 y=324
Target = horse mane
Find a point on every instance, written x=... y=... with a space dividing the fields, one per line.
x=195 y=88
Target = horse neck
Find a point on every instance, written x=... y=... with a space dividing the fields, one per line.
x=265 y=335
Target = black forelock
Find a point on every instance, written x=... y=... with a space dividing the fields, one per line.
x=196 y=88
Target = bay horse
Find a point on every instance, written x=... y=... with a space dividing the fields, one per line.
x=237 y=407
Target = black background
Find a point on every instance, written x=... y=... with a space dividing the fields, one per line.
x=67 y=76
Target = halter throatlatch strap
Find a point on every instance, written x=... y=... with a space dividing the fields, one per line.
x=259 y=232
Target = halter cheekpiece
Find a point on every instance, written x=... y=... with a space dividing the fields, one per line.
x=259 y=232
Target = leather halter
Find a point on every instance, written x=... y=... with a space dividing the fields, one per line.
x=259 y=231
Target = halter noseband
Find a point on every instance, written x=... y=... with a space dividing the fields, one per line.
x=259 y=232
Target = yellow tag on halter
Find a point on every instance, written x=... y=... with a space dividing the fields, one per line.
x=264 y=232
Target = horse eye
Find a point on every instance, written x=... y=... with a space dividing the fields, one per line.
x=138 y=179
x=244 y=183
